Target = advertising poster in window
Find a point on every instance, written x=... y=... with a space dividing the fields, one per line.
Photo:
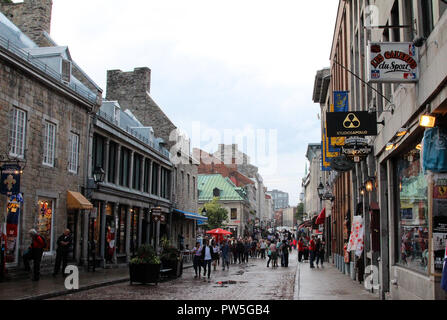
x=12 y=223
x=439 y=220
x=44 y=221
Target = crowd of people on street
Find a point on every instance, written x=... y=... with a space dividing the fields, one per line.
x=231 y=251
x=208 y=254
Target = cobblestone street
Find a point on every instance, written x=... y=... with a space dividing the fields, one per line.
x=252 y=281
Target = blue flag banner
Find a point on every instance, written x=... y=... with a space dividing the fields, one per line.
x=444 y=272
x=341 y=103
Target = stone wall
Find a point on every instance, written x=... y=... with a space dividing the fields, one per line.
x=41 y=103
x=131 y=90
x=33 y=17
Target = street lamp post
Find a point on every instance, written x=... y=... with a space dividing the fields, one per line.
x=98 y=177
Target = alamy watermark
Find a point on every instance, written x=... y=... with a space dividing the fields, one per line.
x=72 y=280
x=372 y=280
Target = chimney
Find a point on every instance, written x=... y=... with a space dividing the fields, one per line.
x=133 y=83
x=32 y=17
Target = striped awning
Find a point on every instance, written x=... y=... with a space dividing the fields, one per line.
x=191 y=215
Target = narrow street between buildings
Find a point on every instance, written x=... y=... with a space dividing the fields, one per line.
x=246 y=281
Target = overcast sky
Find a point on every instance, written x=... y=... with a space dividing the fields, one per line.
x=241 y=65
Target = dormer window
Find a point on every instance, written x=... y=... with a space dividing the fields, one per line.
x=116 y=115
x=216 y=192
x=66 y=70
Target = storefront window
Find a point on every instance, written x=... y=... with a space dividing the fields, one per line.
x=121 y=232
x=45 y=220
x=412 y=212
x=134 y=230
x=110 y=233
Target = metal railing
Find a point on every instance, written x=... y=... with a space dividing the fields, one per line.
x=11 y=47
x=134 y=133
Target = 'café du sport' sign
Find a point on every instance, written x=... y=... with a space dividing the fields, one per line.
x=392 y=62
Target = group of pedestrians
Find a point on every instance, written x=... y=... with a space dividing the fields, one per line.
x=311 y=249
x=35 y=252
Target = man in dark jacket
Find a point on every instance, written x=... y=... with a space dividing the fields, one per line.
x=240 y=250
x=285 y=248
x=34 y=252
x=207 y=257
x=64 y=243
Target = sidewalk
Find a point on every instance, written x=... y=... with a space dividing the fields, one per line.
x=49 y=286
x=327 y=284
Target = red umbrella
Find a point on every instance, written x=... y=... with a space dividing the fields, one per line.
x=218 y=231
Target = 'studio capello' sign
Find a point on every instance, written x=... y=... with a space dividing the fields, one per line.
x=392 y=62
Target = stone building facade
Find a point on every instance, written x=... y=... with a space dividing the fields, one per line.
x=132 y=91
x=45 y=130
x=398 y=211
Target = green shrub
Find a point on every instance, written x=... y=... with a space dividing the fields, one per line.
x=146 y=254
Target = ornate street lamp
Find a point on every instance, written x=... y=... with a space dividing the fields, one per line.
x=320 y=190
x=98 y=175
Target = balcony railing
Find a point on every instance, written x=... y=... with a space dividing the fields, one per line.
x=8 y=45
x=134 y=133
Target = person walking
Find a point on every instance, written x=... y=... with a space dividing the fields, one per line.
x=285 y=248
x=247 y=249
x=234 y=251
x=64 y=243
x=225 y=251
x=262 y=246
x=34 y=252
x=300 y=249
x=197 y=259
x=319 y=252
x=207 y=257
x=215 y=255
x=312 y=251
x=240 y=250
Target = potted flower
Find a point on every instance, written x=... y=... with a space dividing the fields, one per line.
x=145 y=266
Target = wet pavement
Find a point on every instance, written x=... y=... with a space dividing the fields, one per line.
x=49 y=286
x=250 y=281
x=328 y=283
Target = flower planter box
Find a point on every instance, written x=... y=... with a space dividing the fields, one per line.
x=176 y=266
x=144 y=273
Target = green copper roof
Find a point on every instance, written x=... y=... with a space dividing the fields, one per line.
x=228 y=190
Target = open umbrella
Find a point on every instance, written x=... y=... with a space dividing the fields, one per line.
x=218 y=231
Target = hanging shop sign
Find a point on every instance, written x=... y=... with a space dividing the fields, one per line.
x=355 y=123
x=392 y=62
x=356 y=148
x=439 y=219
x=156 y=214
x=10 y=179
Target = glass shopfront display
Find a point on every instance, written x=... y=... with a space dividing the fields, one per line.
x=110 y=233
x=121 y=231
x=134 y=218
x=412 y=218
x=45 y=221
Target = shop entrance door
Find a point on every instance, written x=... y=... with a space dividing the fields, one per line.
x=72 y=225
